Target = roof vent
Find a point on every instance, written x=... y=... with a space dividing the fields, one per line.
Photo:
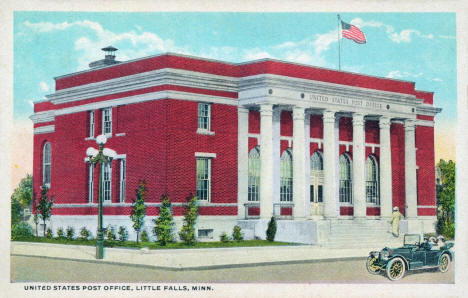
x=109 y=58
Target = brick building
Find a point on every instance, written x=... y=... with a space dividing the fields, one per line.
x=318 y=148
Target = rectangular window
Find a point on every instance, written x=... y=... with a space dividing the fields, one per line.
x=91 y=124
x=123 y=178
x=312 y=199
x=90 y=183
x=205 y=233
x=106 y=182
x=203 y=178
x=204 y=114
x=107 y=121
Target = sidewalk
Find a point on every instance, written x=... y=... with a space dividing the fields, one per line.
x=189 y=259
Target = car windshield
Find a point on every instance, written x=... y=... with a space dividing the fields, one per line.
x=411 y=240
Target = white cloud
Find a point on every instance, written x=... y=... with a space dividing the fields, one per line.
x=322 y=42
x=44 y=87
x=447 y=36
x=31 y=103
x=437 y=80
x=398 y=37
x=255 y=54
x=396 y=74
x=143 y=43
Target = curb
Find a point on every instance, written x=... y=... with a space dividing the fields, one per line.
x=210 y=267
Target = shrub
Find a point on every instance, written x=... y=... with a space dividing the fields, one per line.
x=224 y=237
x=164 y=222
x=237 y=233
x=187 y=233
x=110 y=233
x=49 y=234
x=84 y=233
x=144 y=236
x=21 y=230
x=60 y=232
x=271 y=230
x=123 y=234
x=139 y=209
x=70 y=233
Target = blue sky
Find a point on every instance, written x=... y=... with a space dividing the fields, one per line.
x=419 y=47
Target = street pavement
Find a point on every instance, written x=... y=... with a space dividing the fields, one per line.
x=37 y=269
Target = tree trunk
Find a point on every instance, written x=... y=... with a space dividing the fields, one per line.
x=137 y=236
x=44 y=228
x=36 y=231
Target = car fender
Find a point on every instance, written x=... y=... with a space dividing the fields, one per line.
x=401 y=257
x=446 y=251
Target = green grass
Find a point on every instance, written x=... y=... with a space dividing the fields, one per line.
x=155 y=245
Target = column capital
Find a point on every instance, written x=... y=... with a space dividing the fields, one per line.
x=409 y=124
x=298 y=113
x=241 y=109
x=328 y=116
x=358 y=119
x=266 y=109
x=384 y=122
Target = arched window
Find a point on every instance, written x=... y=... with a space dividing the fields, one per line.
x=286 y=187
x=316 y=162
x=346 y=183
x=46 y=164
x=106 y=181
x=254 y=174
x=372 y=181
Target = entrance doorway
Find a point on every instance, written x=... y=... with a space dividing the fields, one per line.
x=316 y=184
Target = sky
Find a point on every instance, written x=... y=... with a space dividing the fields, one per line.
x=418 y=47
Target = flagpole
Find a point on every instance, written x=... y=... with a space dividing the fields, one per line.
x=339 y=43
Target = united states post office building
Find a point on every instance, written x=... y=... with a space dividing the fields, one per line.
x=316 y=148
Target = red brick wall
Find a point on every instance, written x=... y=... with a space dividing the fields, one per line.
x=425 y=162
x=254 y=122
x=286 y=124
x=372 y=132
x=316 y=126
x=346 y=129
x=397 y=141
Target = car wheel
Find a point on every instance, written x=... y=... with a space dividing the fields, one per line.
x=444 y=263
x=395 y=269
x=370 y=265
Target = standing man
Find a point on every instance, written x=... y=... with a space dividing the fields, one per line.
x=395 y=221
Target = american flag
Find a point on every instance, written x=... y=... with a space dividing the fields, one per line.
x=352 y=32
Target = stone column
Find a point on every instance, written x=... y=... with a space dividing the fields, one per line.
x=410 y=170
x=307 y=162
x=329 y=164
x=266 y=161
x=242 y=160
x=276 y=156
x=298 y=163
x=386 y=190
x=359 y=168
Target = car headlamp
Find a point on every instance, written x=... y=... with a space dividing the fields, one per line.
x=384 y=254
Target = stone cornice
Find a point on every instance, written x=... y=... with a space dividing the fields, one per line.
x=427 y=110
x=309 y=86
x=159 y=77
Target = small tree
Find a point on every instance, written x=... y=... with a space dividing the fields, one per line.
x=84 y=233
x=36 y=221
x=16 y=211
x=110 y=233
x=44 y=207
x=70 y=232
x=60 y=232
x=144 y=236
x=49 y=234
x=123 y=234
x=237 y=233
x=271 y=230
x=187 y=233
x=164 y=222
x=139 y=208
x=224 y=237
x=446 y=199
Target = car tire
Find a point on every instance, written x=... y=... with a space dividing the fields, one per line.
x=444 y=263
x=395 y=269
x=369 y=266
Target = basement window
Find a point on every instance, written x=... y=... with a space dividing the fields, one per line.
x=205 y=233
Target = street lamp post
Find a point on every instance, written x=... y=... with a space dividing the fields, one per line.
x=101 y=157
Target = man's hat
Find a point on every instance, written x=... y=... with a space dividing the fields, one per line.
x=395 y=208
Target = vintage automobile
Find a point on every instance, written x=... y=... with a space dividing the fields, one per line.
x=413 y=255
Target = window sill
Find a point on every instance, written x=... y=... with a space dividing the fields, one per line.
x=205 y=132
x=122 y=134
x=90 y=139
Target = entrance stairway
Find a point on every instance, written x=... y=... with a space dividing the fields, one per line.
x=375 y=234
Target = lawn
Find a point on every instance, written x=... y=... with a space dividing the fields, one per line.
x=155 y=245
